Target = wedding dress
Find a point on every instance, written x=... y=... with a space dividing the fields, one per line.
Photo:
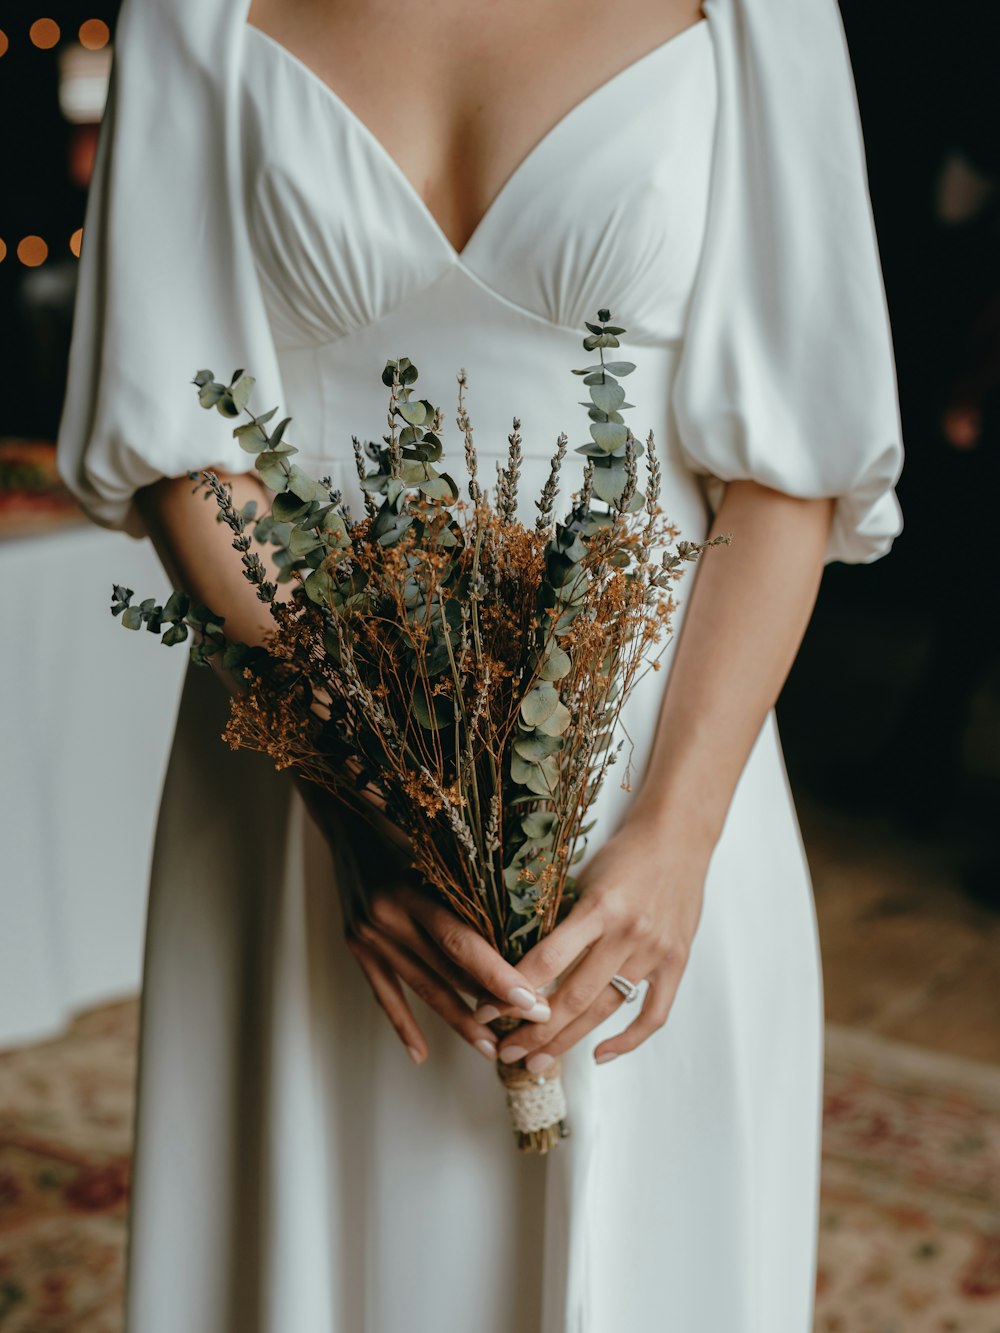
x=294 y=1172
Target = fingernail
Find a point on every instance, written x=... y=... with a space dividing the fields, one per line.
x=605 y=1057
x=521 y=997
x=536 y=1063
x=486 y=1048
x=539 y=1012
x=486 y=1013
x=415 y=1055
x=511 y=1053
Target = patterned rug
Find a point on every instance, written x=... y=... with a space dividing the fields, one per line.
x=909 y=1222
x=65 y=1131
x=910 y=1209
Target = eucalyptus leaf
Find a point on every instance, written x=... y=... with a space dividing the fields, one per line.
x=224 y=405
x=539 y=824
x=557 y=722
x=239 y=390
x=210 y=393
x=336 y=527
x=175 y=634
x=528 y=926
x=318 y=586
x=609 y=480
x=608 y=397
x=414 y=471
x=414 y=413
x=251 y=436
x=512 y=879
x=539 y=703
x=436 y=488
x=544 y=778
x=609 y=435
x=234 y=656
x=273 y=470
x=523 y=903
x=536 y=747
x=522 y=771
x=555 y=665
x=305 y=486
x=443 y=709
x=287 y=506
x=177 y=606
x=302 y=541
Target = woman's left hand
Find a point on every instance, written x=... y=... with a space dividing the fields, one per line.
x=639 y=904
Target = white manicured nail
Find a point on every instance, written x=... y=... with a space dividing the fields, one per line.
x=536 y=1063
x=512 y=1053
x=486 y=1013
x=539 y=1013
x=521 y=997
x=486 y=1048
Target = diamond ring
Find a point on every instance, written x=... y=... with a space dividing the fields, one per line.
x=627 y=988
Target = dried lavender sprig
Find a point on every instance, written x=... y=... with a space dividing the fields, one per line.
x=631 y=476
x=452 y=814
x=587 y=489
x=652 y=498
x=465 y=426
x=550 y=490
x=509 y=477
x=253 y=566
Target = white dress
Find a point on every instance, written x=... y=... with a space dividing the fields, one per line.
x=294 y=1172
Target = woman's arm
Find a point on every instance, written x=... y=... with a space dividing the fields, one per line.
x=196 y=550
x=407 y=934
x=641 y=892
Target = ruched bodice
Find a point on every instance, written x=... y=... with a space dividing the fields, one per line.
x=354 y=267
x=609 y=204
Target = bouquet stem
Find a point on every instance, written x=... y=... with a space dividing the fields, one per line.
x=536 y=1102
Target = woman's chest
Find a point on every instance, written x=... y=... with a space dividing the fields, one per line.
x=461 y=92
x=607 y=208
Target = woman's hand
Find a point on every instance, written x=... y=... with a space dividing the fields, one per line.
x=643 y=889
x=399 y=932
x=639 y=907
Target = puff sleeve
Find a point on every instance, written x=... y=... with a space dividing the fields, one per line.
x=167 y=279
x=786 y=374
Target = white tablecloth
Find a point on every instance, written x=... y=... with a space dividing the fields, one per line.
x=87 y=712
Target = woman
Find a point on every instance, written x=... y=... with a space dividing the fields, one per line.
x=305 y=194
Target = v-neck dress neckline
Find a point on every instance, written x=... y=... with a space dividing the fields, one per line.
x=591 y=104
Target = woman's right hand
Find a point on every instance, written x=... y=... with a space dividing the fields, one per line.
x=400 y=932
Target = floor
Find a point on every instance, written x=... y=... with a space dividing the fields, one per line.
x=907 y=952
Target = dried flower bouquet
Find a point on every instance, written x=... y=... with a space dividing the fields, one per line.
x=441 y=661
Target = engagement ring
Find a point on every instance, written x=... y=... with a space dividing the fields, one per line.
x=626 y=987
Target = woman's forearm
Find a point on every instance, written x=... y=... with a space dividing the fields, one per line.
x=747 y=613
x=196 y=550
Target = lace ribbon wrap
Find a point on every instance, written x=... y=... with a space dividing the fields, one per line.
x=537 y=1105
